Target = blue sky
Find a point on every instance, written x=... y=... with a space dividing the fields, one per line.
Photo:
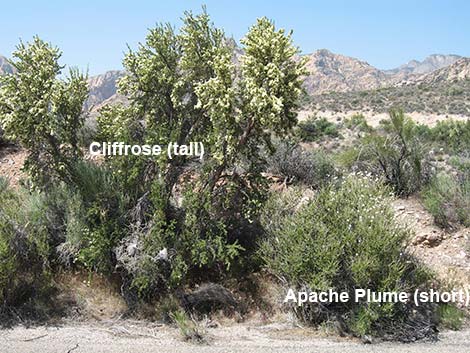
x=94 y=34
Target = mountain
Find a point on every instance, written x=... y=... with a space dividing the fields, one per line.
x=445 y=91
x=429 y=64
x=458 y=71
x=102 y=88
x=5 y=66
x=334 y=72
x=329 y=72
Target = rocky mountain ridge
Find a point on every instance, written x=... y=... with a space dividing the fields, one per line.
x=431 y=63
x=458 y=71
x=102 y=88
x=331 y=72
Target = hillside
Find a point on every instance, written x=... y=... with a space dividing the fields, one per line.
x=5 y=66
x=431 y=63
x=333 y=72
x=102 y=87
x=444 y=91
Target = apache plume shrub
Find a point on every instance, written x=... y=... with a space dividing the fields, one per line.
x=342 y=238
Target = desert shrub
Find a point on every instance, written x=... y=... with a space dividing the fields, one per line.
x=24 y=252
x=355 y=159
x=88 y=218
x=200 y=242
x=189 y=218
x=348 y=157
x=344 y=238
x=42 y=111
x=452 y=134
x=423 y=132
x=451 y=317
x=296 y=165
x=461 y=163
x=315 y=128
x=447 y=198
x=189 y=328
x=359 y=122
x=99 y=212
x=399 y=155
x=278 y=208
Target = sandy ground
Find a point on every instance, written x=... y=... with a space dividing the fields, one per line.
x=446 y=253
x=373 y=119
x=133 y=338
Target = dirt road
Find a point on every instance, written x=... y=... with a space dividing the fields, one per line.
x=135 y=338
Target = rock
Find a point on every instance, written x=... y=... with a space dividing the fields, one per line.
x=163 y=255
x=131 y=249
x=434 y=238
x=420 y=238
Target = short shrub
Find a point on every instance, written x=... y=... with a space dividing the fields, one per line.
x=452 y=134
x=451 y=317
x=447 y=198
x=24 y=251
x=104 y=221
x=355 y=159
x=359 y=122
x=314 y=129
x=344 y=238
x=90 y=217
x=190 y=329
x=312 y=168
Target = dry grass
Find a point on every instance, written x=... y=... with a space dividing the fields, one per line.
x=94 y=296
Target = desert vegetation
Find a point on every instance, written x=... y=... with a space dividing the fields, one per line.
x=162 y=228
x=441 y=97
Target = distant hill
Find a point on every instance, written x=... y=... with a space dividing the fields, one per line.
x=5 y=66
x=333 y=72
x=431 y=63
x=458 y=71
x=102 y=88
x=328 y=72
x=443 y=91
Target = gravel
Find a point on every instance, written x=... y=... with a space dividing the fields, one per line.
x=137 y=337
